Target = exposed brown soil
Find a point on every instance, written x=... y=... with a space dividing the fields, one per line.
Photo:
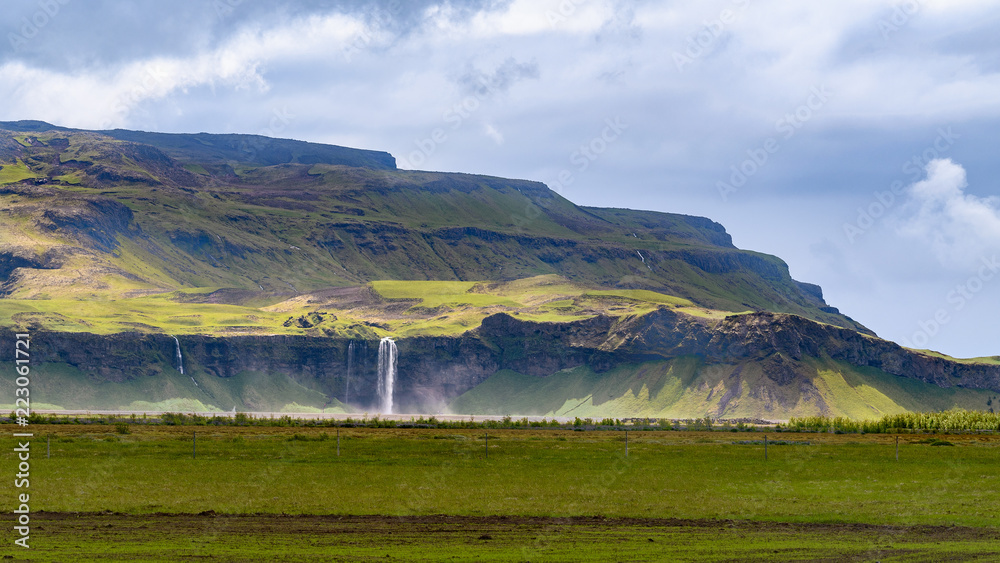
x=305 y=523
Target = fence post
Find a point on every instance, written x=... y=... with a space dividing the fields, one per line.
x=47 y=440
x=897 y=447
x=338 y=441
x=194 y=445
x=765 y=447
x=487 y=445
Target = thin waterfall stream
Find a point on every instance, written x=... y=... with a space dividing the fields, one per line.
x=180 y=360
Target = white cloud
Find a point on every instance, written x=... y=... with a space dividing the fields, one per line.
x=959 y=228
x=527 y=17
x=107 y=98
x=390 y=82
x=492 y=133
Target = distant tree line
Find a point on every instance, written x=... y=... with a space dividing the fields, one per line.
x=946 y=421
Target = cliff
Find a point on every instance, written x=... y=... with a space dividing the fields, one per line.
x=433 y=371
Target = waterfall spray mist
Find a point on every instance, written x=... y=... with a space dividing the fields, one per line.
x=386 y=374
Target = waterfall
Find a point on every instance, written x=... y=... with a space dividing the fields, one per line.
x=386 y=374
x=643 y=258
x=180 y=361
x=180 y=358
x=350 y=371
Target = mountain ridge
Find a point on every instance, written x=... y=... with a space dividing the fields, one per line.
x=263 y=264
x=158 y=226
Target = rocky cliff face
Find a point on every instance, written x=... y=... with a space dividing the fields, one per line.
x=757 y=336
x=433 y=370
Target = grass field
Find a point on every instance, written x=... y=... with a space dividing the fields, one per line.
x=11 y=173
x=439 y=308
x=427 y=493
x=154 y=538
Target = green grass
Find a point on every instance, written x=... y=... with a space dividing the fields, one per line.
x=550 y=473
x=73 y=179
x=308 y=227
x=988 y=360
x=641 y=295
x=439 y=293
x=440 y=308
x=541 y=495
x=13 y=173
x=157 y=314
x=196 y=169
x=546 y=298
x=108 y=537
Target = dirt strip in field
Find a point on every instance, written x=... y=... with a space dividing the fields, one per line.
x=62 y=536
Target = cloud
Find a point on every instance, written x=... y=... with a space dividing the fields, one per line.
x=112 y=97
x=533 y=17
x=389 y=74
x=621 y=26
x=959 y=228
x=494 y=134
x=475 y=82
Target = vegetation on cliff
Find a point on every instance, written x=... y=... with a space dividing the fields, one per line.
x=266 y=258
x=114 y=215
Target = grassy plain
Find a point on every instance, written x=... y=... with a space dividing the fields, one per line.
x=436 y=308
x=821 y=494
x=155 y=538
x=10 y=173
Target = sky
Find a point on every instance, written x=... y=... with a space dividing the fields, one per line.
x=856 y=139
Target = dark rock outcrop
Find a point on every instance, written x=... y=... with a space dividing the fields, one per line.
x=760 y=335
x=433 y=370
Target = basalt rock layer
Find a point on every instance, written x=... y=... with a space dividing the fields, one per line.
x=433 y=371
